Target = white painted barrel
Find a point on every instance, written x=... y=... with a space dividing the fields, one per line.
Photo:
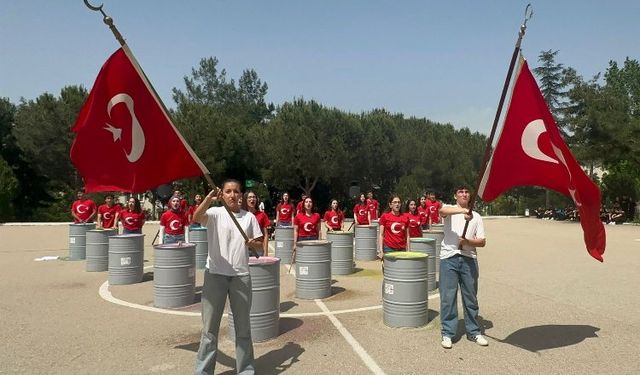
x=198 y=236
x=437 y=235
x=126 y=259
x=284 y=244
x=313 y=269
x=426 y=246
x=366 y=242
x=174 y=274
x=78 y=240
x=341 y=252
x=265 y=299
x=98 y=249
x=404 y=289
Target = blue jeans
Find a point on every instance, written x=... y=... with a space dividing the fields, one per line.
x=387 y=249
x=463 y=271
x=215 y=290
x=131 y=231
x=170 y=238
x=309 y=238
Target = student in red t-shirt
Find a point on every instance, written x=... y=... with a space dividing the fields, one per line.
x=361 y=211
x=107 y=213
x=393 y=228
x=196 y=202
x=415 y=219
x=300 y=205
x=434 y=207
x=250 y=203
x=173 y=222
x=83 y=209
x=374 y=206
x=284 y=211
x=306 y=225
x=424 y=211
x=334 y=217
x=132 y=217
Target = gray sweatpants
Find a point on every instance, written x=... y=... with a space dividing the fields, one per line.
x=214 y=295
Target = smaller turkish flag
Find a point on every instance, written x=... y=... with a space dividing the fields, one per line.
x=530 y=151
x=125 y=139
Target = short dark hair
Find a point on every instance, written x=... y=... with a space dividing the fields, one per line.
x=108 y=195
x=461 y=187
x=232 y=180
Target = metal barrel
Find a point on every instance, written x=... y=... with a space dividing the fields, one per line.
x=404 y=289
x=313 y=269
x=437 y=227
x=198 y=236
x=284 y=244
x=437 y=235
x=341 y=252
x=366 y=242
x=78 y=240
x=98 y=249
x=265 y=299
x=126 y=258
x=426 y=246
x=174 y=274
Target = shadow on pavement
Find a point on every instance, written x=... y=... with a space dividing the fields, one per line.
x=286 y=306
x=549 y=336
x=288 y=324
x=275 y=362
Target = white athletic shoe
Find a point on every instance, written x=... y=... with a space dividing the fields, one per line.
x=480 y=340
x=446 y=342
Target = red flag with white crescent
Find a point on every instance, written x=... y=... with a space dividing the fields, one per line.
x=531 y=151
x=125 y=140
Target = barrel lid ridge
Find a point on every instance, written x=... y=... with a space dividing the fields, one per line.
x=262 y=261
x=177 y=245
x=405 y=255
x=422 y=239
x=342 y=232
x=128 y=235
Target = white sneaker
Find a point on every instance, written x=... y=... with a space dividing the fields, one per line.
x=446 y=342
x=480 y=340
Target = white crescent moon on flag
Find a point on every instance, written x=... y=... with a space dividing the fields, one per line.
x=307 y=227
x=393 y=228
x=107 y=215
x=334 y=220
x=362 y=212
x=137 y=134
x=82 y=208
x=176 y=223
x=284 y=211
x=529 y=141
x=129 y=220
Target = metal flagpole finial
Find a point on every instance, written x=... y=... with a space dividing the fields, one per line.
x=107 y=20
x=528 y=13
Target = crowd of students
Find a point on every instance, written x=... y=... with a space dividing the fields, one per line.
x=608 y=215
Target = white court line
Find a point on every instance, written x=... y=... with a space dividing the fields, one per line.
x=366 y=358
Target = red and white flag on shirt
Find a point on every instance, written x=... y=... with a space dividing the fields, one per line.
x=125 y=140
x=530 y=151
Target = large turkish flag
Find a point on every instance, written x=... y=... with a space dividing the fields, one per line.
x=125 y=141
x=531 y=151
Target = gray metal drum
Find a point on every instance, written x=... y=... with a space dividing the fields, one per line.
x=341 y=252
x=78 y=240
x=404 y=289
x=174 y=274
x=265 y=299
x=198 y=236
x=366 y=242
x=437 y=235
x=313 y=269
x=284 y=244
x=426 y=246
x=437 y=227
x=126 y=258
x=98 y=249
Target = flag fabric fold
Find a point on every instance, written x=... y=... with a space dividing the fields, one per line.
x=531 y=151
x=125 y=140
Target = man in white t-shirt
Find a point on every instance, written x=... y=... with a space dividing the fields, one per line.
x=459 y=266
x=227 y=274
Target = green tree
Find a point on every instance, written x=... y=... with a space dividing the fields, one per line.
x=554 y=80
x=8 y=190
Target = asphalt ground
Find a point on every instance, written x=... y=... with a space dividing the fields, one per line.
x=546 y=307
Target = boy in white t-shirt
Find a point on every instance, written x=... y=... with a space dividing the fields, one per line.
x=458 y=266
x=227 y=275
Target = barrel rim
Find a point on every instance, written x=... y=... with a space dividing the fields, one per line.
x=405 y=255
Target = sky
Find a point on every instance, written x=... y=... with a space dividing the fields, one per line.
x=443 y=60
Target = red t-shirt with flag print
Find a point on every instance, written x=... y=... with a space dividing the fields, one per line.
x=263 y=219
x=173 y=222
x=373 y=208
x=131 y=220
x=424 y=214
x=414 y=224
x=108 y=214
x=286 y=211
x=434 y=211
x=334 y=219
x=360 y=212
x=83 y=208
x=307 y=225
x=395 y=230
